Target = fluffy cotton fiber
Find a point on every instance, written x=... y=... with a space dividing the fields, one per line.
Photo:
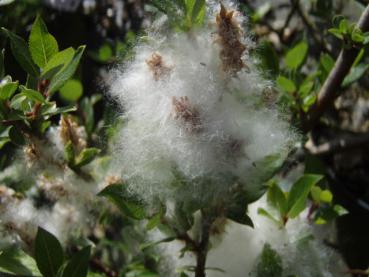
x=193 y=109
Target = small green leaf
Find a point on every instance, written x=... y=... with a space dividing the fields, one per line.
x=66 y=72
x=355 y=74
x=299 y=193
x=343 y=26
x=326 y=196
x=71 y=91
x=51 y=109
x=154 y=221
x=69 y=153
x=33 y=95
x=198 y=12
x=127 y=204
x=78 y=265
x=15 y=261
x=86 y=156
x=336 y=32
x=105 y=53
x=306 y=88
x=308 y=101
x=262 y=11
x=327 y=62
x=286 y=84
x=4 y=134
x=57 y=62
x=263 y=212
x=48 y=253
x=21 y=53
x=7 y=90
x=296 y=55
x=315 y=193
x=17 y=102
x=152 y=244
x=277 y=198
x=357 y=36
x=240 y=217
x=42 y=45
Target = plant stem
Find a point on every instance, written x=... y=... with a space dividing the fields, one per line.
x=331 y=86
x=203 y=244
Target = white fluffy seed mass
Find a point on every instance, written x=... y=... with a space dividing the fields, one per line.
x=187 y=113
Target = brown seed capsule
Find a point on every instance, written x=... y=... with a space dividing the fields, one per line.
x=157 y=66
x=182 y=110
x=229 y=38
x=70 y=132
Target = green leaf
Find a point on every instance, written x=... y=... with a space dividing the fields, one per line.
x=5 y=136
x=343 y=26
x=66 y=72
x=57 y=62
x=2 y=67
x=315 y=193
x=152 y=244
x=327 y=62
x=286 y=84
x=277 y=198
x=69 y=153
x=296 y=55
x=263 y=212
x=50 y=109
x=269 y=264
x=17 y=102
x=326 y=196
x=336 y=32
x=33 y=95
x=15 y=261
x=42 y=45
x=71 y=91
x=21 y=53
x=48 y=253
x=308 y=101
x=240 y=216
x=105 y=53
x=262 y=10
x=78 y=265
x=269 y=58
x=306 y=88
x=355 y=74
x=7 y=90
x=127 y=204
x=198 y=12
x=86 y=156
x=357 y=36
x=299 y=193
x=154 y=221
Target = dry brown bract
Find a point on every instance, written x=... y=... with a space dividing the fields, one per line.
x=182 y=110
x=70 y=132
x=229 y=37
x=157 y=66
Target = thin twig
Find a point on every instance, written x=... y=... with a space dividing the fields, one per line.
x=203 y=245
x=331 y=86
x=338 y=145
x=310 y=26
